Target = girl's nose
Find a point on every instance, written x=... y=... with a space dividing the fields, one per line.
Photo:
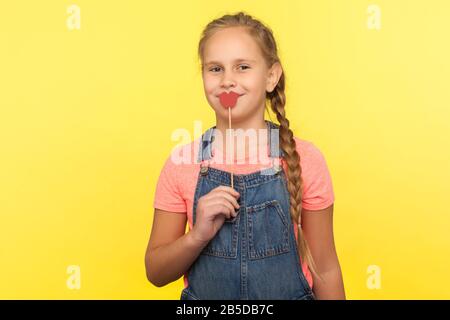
x=228 y=80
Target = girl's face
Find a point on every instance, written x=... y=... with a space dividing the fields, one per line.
x=232 y=61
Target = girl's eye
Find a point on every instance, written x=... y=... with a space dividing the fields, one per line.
x=242 y=65
x=212 y=69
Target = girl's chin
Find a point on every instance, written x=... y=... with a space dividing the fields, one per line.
x=235 y=118
x=235 y=113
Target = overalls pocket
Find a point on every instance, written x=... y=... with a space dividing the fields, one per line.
x=225 y=242
x=267 y=230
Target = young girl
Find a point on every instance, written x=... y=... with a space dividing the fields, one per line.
x=256 y=231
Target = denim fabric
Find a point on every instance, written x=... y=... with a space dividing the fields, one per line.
x=254 y=255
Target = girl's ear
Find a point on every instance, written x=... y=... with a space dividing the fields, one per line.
x=273 y=76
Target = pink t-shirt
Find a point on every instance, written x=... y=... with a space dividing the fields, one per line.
x=178 y=179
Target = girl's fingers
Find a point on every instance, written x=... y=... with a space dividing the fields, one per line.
x=228 y=197
x=223 y=202
x=225 y=210
x=229 y=190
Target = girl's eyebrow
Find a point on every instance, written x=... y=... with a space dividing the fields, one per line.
x=235 y=61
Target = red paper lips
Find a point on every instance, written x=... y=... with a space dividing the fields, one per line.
x=228 y=100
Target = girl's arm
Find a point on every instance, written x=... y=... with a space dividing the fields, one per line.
x=318 y=231
x=170 y=252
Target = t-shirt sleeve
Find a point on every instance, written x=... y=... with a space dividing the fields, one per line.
x=167 y=195
x=318 y=191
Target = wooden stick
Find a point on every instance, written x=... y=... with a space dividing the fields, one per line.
x=229 y=126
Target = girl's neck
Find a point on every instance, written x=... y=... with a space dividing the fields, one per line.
x=255 y=124
x=251 y=128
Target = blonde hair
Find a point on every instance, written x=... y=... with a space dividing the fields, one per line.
x=264 y=37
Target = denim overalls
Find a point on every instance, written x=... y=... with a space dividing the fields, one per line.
x=254 y=255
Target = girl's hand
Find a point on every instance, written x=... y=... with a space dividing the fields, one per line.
x=212 y=210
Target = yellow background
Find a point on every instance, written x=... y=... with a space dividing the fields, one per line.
x=86 y=118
